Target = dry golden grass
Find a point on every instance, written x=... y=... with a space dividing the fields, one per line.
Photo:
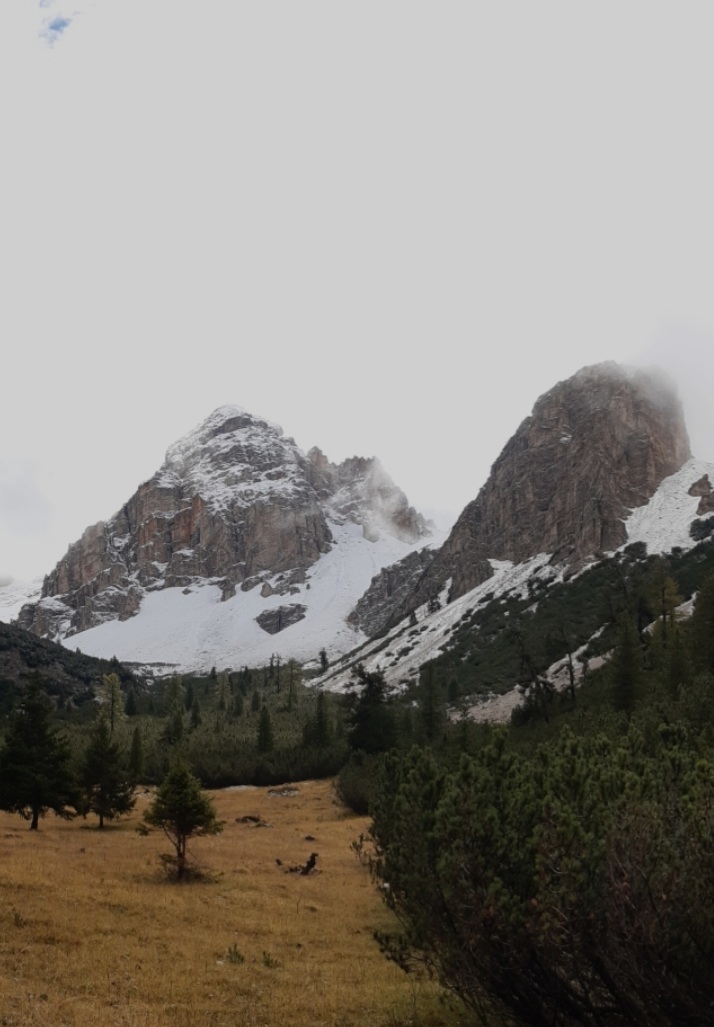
x=91 y=932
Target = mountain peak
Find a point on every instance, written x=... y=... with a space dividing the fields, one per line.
x=595 y=446
x=238 y=506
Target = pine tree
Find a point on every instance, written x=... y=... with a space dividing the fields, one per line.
x=173 y=731
x=173 y=695
x=182 y=811
x=372 y=722
x=265 y=731
x=222 y=691
x=35 y=771
x=105 y=779
x=322 y=722
x=293 y=672
x=626 y=667
x=433 y=712
x=702 y=627
x=188 y=697
x=195 y=713
x=136 y=757
x=131 y=708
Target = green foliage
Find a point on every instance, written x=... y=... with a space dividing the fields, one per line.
x=626 y=667
x=136 y=757
x=110 y=696
x=431 y=707
x=35 y=764
x=105 y=778
x=701 y=528
x=373 y=726
x=196 y=718
x=317 y=731
x=357 y=781
x=182 y=810
x=69 y=676
x=266 y=741
x=517 y=637
x=234 y=955
x=174 y=728
x=131 y=707
x=567 y=886
x=702 y=626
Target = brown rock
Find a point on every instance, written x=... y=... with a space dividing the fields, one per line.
x=703 y=489
x=235 y=502
x=595 y=446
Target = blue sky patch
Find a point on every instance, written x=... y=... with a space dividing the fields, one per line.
x=54 y=28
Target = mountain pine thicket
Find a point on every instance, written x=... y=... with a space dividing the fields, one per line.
x=559 y=872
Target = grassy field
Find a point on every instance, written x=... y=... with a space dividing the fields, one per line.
x=91 y=932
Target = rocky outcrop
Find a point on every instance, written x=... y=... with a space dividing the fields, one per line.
x=389 y=590
x=361 y=489
x=235 y=503
x=703 y=489
x=594 y=447
x=276 y=620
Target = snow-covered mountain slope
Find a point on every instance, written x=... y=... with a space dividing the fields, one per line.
x=15 y=594
x=193 y=629
x=241 y=546
x=662 y=524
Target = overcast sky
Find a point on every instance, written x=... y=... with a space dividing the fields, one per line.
x=387 y=226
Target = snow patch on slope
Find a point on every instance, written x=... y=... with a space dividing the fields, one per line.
x=15 y=594
x=403 y=650
x=192 y=629
x=664 y=521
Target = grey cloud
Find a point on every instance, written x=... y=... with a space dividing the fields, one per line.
x=24 y=510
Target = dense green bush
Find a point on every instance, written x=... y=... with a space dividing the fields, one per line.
x=357 y=781
x=570 y=886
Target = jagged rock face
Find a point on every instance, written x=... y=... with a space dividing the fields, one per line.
x=595 y=446
x=235 y=502
x=389 y=590
x=273 y=621
x=703 y=489
x=360 y=484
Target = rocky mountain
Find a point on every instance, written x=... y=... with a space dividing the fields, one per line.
x=602 y=462
x=595 y=447
x=241 y=546
x=239 y=509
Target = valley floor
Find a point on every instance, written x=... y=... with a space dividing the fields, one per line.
x=92 y=932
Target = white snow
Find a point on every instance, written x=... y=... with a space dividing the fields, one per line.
x=194 y=630
x=15 y=594
x=664 y=521
x=430 y=635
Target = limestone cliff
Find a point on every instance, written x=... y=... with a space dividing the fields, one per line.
x=594 y=447
x=236 y=503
